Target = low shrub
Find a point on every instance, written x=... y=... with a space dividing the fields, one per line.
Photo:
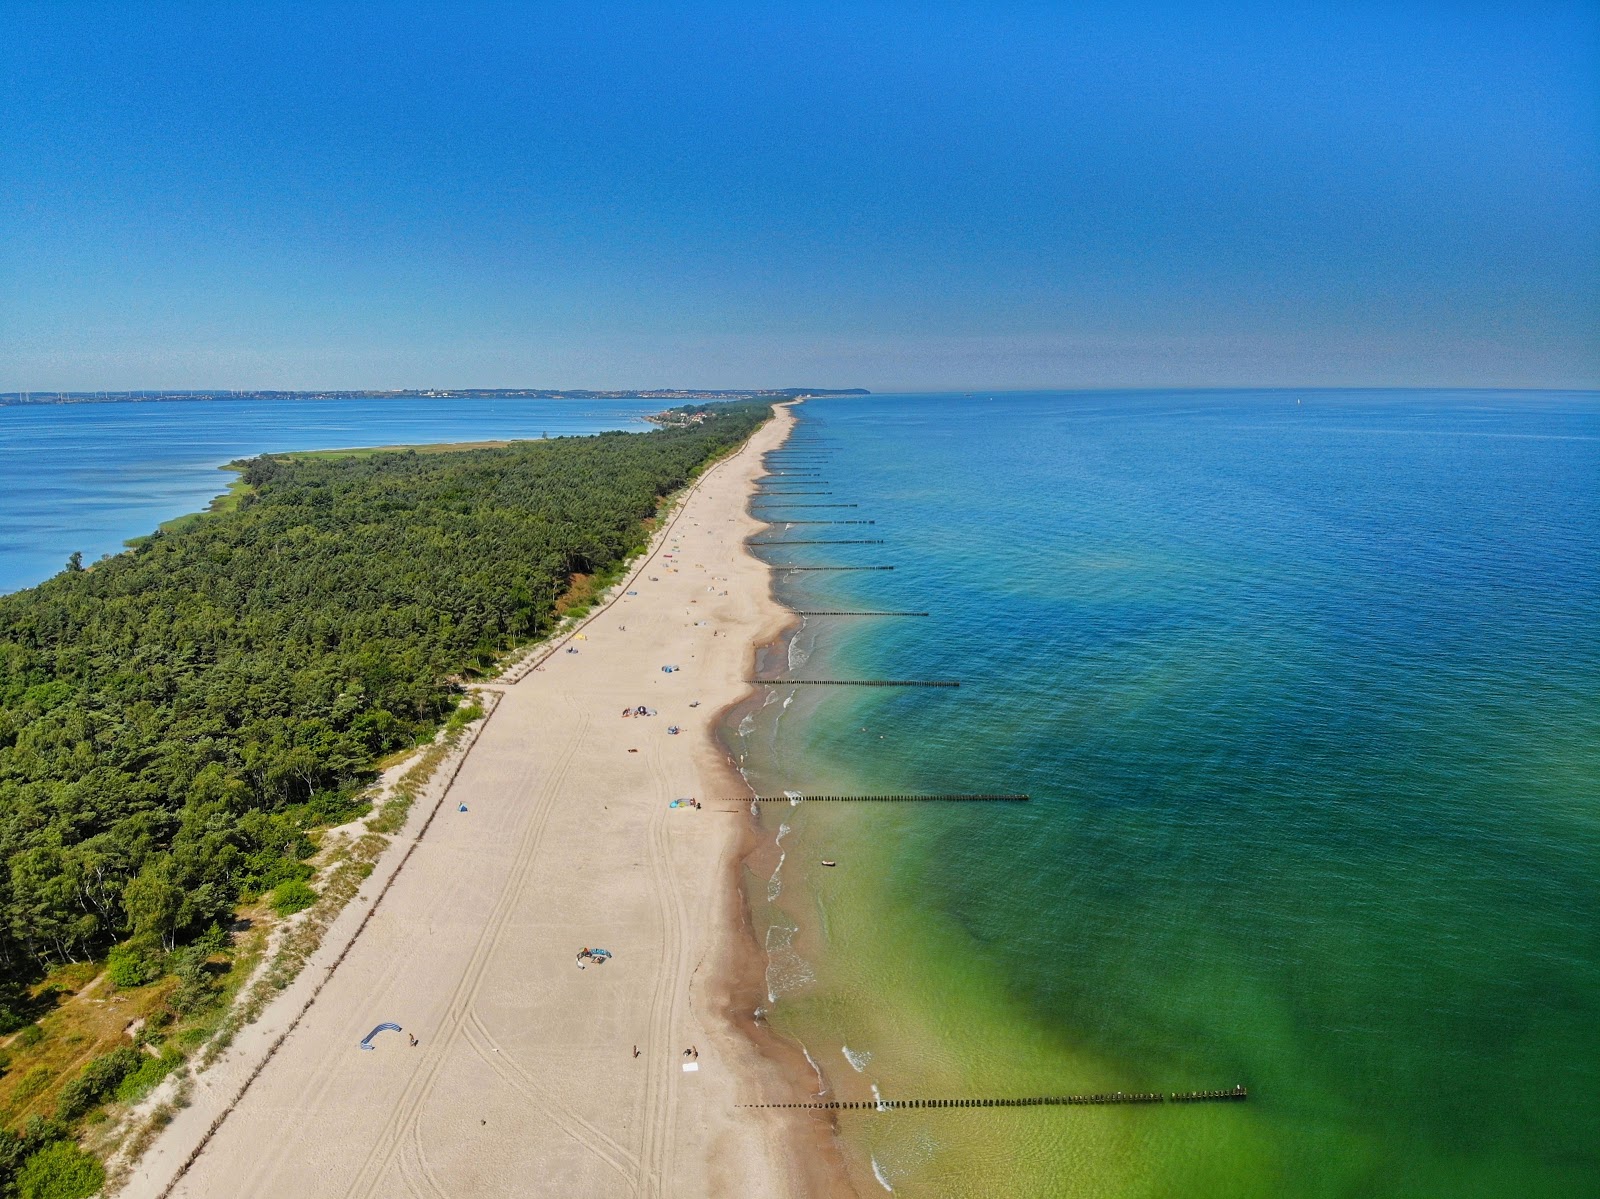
x=133 y=965
x=463 y=716
x=291 y=897
x=97 y=1083
x=143 y=1080
x=59 y=1171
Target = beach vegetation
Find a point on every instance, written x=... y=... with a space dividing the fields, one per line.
x=97 y=1081
x=59 y=1170
x=133 y=964
x=139 y=1083
x=291 y=897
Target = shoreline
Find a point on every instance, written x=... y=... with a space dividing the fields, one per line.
x=686 y=959
x=813 y=1136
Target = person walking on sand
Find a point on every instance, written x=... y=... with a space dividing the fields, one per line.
x=413 y=1037
x=635 y=1051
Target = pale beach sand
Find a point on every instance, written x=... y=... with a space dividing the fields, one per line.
x=524 y=1081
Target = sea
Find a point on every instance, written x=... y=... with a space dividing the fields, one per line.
x=86 y=477
x=1304 y=690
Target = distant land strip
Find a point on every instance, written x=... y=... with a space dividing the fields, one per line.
x=453 y=393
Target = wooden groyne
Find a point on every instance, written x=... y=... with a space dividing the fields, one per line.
x=825 y=541
x=823 y=522
x=1108 y=1098
x=853 y=682
x=759 y=494
x=787 y=568
x=764 y=507
x=819 y=612
x=805 y=798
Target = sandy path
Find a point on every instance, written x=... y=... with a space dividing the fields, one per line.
x=524 y=1081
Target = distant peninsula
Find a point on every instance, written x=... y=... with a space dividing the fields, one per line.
x=9 y=398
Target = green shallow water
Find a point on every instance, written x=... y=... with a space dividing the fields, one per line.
x=1306 y=689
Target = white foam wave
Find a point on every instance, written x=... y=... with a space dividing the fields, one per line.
x=822 y=1083
x=774 y=886
x=877 y=1172
x=858 y=1058
x=787 y=971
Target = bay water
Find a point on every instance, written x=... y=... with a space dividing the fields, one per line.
x=86 y=477
x=1305 y=690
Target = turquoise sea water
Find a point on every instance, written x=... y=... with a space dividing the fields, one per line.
x=87 y=477
x=1306 y=690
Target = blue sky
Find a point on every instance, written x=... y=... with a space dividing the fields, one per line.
x=878 y=195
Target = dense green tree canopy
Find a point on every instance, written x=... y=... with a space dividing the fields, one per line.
x=175 y=718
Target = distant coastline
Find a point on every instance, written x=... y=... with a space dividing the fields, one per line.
x=15 y=398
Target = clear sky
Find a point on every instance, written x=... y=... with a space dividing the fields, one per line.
x=880 y=195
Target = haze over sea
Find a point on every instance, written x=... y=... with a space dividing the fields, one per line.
x=1305 y=687
x=87 y=477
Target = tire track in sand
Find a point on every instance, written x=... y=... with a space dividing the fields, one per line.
x=329 y=1072
x=390 y=1138
x=661 y=1094
x=622 y=1159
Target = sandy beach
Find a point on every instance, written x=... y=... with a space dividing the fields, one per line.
x=534 y=1073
